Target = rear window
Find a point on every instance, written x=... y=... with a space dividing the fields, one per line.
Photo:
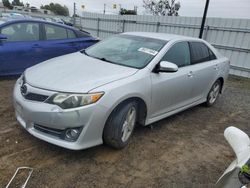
x=71 y=34
x=55 y=32
x=82 y=34
x=200 y=53
x=211 y=55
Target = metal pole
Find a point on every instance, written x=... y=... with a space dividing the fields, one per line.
x=157 y=27
x=123 y=25
x=120 y=9
x=104 y=9
x=74 y=15
x=98 y=27
x=204 y=19
x=206 y=32
x=135 y=9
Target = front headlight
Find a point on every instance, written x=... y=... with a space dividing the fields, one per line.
x=67 y=100
x=20 y=80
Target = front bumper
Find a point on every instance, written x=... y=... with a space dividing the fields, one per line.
x=31 y=113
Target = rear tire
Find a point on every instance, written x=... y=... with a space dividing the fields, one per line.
x=120 y=125
x=213 y=94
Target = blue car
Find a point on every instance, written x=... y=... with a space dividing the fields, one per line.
x=26 y=42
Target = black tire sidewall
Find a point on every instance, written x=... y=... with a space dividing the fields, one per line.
x=112 y=134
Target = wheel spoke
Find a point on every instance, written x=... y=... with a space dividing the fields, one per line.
x=214 y=93
x=132 y=116
x=216 y=88
x=125 y=124
x=211 y=94
x=128 y=124
x=125 y=132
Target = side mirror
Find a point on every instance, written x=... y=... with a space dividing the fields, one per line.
x=3 y=37
x=165 y=66
x=239 y=141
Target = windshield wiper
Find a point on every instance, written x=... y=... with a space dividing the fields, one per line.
x=104 y=59
x=84 y=52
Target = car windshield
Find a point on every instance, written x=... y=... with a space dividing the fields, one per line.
x=127 y=50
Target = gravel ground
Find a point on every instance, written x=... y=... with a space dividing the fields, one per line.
x=185 y=150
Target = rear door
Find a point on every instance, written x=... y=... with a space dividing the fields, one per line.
x=85 y=40
x=58 y=40
x=171 y=91
x=204 y=67
x=21 y=49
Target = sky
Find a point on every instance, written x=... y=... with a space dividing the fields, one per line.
x=192 y=8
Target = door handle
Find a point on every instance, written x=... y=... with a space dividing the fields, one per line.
x=190 y=74
x=36 y=46
x=216 y=67
x=73 y=44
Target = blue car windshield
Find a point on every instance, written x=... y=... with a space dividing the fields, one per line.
x=127 y=50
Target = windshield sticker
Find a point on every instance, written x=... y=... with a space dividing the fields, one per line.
x=148 y=51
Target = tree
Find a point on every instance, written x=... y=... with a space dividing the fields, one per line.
x=124 y=11
x=57 y=9
x=162 y=7
x=17 y=3
x=7 y=4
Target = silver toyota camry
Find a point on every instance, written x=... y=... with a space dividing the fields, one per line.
x=98 y=95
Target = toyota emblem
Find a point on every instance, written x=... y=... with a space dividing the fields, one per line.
x=24 y=89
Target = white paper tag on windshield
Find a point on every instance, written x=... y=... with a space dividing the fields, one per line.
x=148 y=51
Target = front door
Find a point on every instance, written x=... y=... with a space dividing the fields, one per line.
x=171 y=91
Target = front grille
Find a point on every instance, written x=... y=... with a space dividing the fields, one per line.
x=35 y=97
x=54 y=132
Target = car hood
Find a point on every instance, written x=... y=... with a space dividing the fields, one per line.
x=75 y=72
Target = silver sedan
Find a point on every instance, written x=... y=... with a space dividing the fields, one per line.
x=98 y=95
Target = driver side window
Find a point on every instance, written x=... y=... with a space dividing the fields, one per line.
x=178 y=54
x=21 y=32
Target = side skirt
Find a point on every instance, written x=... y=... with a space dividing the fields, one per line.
x=162 y=116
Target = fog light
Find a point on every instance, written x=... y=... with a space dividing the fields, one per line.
x=72 y=134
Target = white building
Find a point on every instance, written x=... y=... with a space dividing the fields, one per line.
x=32 y=10
x=18 y=8
x=1 y=6
x=44 y=11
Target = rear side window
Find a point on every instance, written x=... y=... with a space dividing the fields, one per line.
x=71 y=34
x=82 y=34
x=211 y=55
x=200 y=53
x=178 y=54
x=55 y=32
x=21 y=32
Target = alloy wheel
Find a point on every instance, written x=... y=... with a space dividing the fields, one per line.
x=129 y=124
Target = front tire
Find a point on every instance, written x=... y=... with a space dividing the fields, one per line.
x=213 y=94
x=120 y=125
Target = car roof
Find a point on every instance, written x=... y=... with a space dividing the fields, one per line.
x=11 y=20
x=2 y=22
x=162 y=36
